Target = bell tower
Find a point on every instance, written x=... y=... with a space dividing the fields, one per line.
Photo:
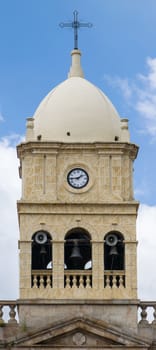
x=77 y=213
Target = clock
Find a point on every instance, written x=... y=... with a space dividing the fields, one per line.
x=77 y=178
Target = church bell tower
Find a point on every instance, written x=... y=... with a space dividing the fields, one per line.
x=77 y=213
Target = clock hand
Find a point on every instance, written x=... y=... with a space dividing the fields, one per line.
x=76 y=177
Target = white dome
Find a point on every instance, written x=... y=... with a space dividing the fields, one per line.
x=76 y=111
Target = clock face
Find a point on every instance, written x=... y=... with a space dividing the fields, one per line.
x=77 y=178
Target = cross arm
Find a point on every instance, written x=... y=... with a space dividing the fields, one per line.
x=62 y=25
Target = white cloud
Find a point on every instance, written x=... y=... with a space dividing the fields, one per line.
x=150 y=79
x=9 y=233
x=140 y=94
x=146 y=229
x=122 y=84
x=9 y=193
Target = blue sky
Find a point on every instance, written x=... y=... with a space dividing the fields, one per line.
x=118 y=55
x=35 y=56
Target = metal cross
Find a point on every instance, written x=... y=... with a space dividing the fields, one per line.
x=75 y=25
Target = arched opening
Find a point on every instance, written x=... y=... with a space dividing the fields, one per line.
x=114 y=259
x=114 y=251
x=77 y=259
x=41 y=259
x=77 y=250
x=41 y=250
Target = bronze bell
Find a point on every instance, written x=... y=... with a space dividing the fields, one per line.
x=43 y=250
x=76 y=257
x=113 y=251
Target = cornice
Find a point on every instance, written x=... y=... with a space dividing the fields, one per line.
x=98 y=147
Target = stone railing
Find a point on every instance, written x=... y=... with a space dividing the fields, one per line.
x=77 y=279
x=42 y=278
x=147 y=313
x=114 y=279
x=8 y=312
x=146 y=309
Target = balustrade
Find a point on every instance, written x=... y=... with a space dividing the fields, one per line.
x=8 y=312
x=147 y=313
x=77 y=279
x=42 y=278
x=114 y=279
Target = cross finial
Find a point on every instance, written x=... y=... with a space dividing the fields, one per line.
x=75 y=25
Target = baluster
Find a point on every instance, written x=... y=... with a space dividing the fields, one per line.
x=35 y=282
x=107 y=281
x=118 y=281
x=67 y=282
x=1 y=315
x=81 y=282
x=88 y=282
x=122 y=281
x=12 y=314
x=114 y=282
x=74 y=282
x=143 y=315
x=48 y=282
x=154 y=316
x=41 y=281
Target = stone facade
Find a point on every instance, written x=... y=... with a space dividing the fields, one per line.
x=49 y=203
x=90 y=312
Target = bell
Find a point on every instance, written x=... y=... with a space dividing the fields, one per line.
x=43 y=250
x=43 y=257
x=76 y=257
x=113 y=251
